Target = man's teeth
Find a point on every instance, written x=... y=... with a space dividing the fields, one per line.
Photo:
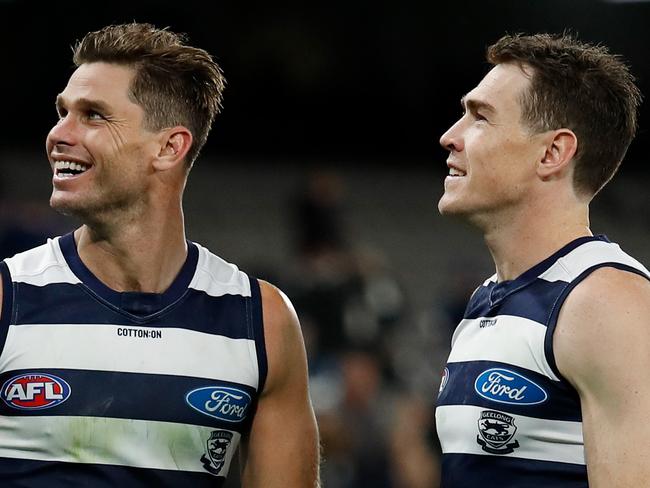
x=455 y=172
x=69 y=168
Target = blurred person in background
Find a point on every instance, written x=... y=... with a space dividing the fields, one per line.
x=325 y=273
x=349 y=293
x=546 y=380
x=375 y=429
x=148 y=360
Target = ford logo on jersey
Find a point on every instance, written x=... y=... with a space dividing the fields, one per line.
x=505 y=386
x=221 y=402
x=35 y=391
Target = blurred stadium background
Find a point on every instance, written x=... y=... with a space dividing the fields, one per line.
x=322 y=175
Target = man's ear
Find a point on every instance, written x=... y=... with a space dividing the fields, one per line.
x=561 y=147
x=174 y=145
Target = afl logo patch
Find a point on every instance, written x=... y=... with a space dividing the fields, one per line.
x=221 y=402
x=35 y=391
x=505 y=386
x=444 y=380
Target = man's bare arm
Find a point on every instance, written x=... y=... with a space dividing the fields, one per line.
x=602 y=346
x=282 y=449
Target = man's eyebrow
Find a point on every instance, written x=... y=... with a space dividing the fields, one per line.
x=474 y=105
x=83 y=103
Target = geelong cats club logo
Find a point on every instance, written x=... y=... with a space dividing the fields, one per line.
x=496 y=429
x=216 y=450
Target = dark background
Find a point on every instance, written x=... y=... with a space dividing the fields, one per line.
x=339 y=79
x=363 y=89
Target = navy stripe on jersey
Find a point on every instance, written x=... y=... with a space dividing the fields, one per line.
x=540 y=295
x=507 y=288
x=557 y=306
x=475 y=471
x=7 y=302
x=258 y=331
x=64 y=303
x=562 y=403
x=129 y=396
x=21 y=473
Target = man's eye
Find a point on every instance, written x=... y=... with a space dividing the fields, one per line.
x=92 y=115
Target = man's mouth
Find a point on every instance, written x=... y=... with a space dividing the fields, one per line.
x=69 y=169
x=456 y=172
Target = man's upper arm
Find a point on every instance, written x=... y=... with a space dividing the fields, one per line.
x=602 y=346
x=282 y=448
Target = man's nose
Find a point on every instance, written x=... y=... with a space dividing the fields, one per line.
x=452 y=140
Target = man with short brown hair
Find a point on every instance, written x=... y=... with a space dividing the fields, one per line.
x=131 y=356
x=546 y=380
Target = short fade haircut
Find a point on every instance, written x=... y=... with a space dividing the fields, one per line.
x=174 y=83
x=580 y=87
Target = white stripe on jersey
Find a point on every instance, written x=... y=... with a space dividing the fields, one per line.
x=41 y=266
x=570 y=266
x=99 y=347
x=491 y=279
x=487 y=343
x=217 y=277
x=542 y=439
x=110 y=441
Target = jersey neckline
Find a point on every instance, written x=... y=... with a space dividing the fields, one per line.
x=135 y=303
x=501 y=290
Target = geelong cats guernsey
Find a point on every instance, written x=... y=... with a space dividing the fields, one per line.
x=106 y=389
x=506 y=417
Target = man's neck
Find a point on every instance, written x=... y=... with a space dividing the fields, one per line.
x=520 y=242
x=144 y=257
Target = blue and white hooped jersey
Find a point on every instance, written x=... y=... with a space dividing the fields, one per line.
x=105 y=389
x=505 y=416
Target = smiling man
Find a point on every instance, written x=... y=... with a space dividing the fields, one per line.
x=546 y=383
x=131 y=356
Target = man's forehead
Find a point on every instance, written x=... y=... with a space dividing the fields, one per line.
x=501 y=86
x=91 y=79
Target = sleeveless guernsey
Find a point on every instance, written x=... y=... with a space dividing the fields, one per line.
x=105 y=389
x=506 y=417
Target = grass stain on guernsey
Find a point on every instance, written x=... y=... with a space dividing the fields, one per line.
x=127 y=442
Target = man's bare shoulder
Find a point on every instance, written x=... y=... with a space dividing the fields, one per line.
x=282 y=333
x=279 y=314
x=604 y=321
x=277 y=306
